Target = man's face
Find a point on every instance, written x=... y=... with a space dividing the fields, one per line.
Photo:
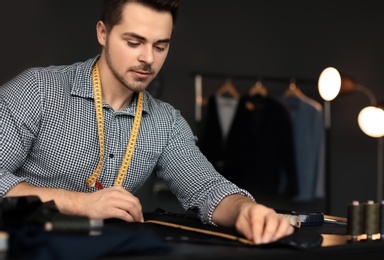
x=136 y=48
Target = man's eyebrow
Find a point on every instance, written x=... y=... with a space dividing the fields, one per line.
x=141 y=38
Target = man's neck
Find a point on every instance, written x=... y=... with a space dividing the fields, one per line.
x=113 y=92
x=116 y=97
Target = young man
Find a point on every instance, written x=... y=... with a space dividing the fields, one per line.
x=88 y=135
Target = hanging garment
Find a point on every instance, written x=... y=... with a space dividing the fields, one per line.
x=309 y=139
x=217 y=123
x=260 y=147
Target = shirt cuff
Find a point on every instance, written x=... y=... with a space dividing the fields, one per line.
x=214 y=199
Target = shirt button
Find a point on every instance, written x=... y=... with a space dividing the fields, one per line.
x=111 y=155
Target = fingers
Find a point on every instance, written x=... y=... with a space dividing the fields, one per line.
x=115 y=202
x=284 y=228
x=262 y=225
x=130 y=206
x=275 y=228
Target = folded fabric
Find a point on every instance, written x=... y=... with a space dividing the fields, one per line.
x=31 y=242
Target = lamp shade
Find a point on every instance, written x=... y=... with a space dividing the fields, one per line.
x=329 y=83
x=371 y=121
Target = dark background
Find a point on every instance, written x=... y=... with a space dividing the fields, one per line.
x=283 y=39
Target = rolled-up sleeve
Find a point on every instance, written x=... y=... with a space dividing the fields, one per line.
x=190 y=176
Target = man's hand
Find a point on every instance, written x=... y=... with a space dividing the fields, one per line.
x=256 y=222
x=114 y=202
x=261 y=224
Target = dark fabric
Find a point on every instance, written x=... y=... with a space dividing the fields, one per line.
x=31 y=242
x=120 y=238
x=24 y=218
x=301 y=239
x=262 y=157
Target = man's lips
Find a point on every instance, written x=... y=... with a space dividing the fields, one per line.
x=142 y=74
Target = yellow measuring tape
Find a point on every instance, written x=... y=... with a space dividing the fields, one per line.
x=92 y=180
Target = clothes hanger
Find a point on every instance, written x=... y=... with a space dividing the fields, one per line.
x=228 y=89
x=258 y=89
x=292 y=90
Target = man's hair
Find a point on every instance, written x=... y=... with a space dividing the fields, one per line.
x=111 y=10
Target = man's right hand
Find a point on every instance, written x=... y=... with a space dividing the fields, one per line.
x=113 y=202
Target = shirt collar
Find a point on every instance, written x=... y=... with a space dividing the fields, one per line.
x=82 y=85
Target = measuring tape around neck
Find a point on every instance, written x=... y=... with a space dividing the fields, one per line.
x=92 y=180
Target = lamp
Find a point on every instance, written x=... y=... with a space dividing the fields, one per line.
x=371 y=122
x=329 y=86
x=329 y=83
x=370 y=119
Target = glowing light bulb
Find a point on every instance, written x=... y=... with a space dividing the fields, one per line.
x=329 y=83
x=371 y=121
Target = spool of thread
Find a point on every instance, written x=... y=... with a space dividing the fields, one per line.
x=4 y=237
x=355 y=220
x=73 y=224
x=3 y=242
x=371 y=218
x=381 y=220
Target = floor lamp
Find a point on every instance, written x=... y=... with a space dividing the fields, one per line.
x=371 y=122
x=370 y=119
x=329 y=85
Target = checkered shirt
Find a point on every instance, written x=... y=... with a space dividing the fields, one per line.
x=48 y=138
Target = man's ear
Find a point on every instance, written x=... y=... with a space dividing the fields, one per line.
x=101 y=32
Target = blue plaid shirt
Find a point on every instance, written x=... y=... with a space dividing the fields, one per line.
x=48 y=138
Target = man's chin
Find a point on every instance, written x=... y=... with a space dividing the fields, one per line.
x=138 y=88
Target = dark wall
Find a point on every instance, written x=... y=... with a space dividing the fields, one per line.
x=288 y=39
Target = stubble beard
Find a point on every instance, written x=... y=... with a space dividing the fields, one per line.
x=136 y=85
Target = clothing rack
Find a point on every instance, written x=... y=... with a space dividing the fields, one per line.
x=273 y=81
x=199 y=84
x=304 y=81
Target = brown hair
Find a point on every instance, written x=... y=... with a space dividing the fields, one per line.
x=111 y=10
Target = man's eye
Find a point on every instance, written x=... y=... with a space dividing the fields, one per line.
x=160 y=48
x=133 y=44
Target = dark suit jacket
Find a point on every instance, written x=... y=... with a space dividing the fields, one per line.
x=258 y=154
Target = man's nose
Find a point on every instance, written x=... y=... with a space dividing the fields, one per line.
x=146 y=55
